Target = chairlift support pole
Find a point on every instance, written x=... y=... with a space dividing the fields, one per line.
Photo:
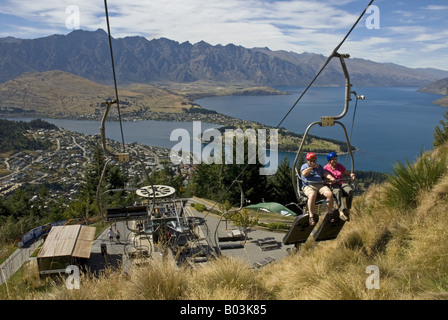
x=121 y=157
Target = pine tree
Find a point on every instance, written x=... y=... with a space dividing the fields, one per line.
x=206 y=181
x=218 y=181
x=281 y=184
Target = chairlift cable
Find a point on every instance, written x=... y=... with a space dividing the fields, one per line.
x=113 y=71
x=325 y=65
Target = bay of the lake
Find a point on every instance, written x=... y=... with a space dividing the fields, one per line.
x=147 y=132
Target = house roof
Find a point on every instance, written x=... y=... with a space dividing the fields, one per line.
x=73 y=240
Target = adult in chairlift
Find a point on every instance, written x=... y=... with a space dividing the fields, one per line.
x=313 y=175
x=342 y=190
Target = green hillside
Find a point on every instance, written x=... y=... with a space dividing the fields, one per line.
x=14 y=135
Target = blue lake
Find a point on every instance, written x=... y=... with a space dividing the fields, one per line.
x=391 y=124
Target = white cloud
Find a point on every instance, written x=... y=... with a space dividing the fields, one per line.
x=181 y=19
x=435 y=7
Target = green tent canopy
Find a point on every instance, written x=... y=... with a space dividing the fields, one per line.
x=273 y=207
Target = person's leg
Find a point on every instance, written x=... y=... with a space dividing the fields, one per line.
x=328 y=194
x=338 y=195
x=348 y=197
x=348 y=193
x=312 y=195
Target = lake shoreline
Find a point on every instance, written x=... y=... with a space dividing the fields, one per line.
x=218 y=119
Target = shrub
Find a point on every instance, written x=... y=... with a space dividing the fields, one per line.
x=198 y=206
x=408 y=181
x=243 y=219
x=277 y=226
x=441 y=133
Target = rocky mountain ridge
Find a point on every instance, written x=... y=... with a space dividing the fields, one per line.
x=138 y=60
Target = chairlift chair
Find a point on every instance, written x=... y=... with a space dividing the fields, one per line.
x=301 y=229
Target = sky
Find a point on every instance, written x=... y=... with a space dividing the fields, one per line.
x=412 y=33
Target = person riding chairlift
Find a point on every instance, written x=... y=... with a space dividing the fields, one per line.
x=312 y=177
x=341 y=190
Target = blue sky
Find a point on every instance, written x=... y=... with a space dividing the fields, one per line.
x=413 y=33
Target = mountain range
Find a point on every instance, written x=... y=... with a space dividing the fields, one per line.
x=138 y=60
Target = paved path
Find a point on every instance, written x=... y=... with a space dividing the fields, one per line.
x=114 y=258
x=247 y=250
x=250 y=251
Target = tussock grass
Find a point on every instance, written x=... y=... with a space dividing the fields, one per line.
x=227 y=278
x=108 y=285
x=223 y=279
x=158 y=281
x=409 y=180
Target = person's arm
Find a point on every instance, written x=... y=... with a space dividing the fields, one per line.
x=349 y=174
x=306 y=172
x=326 y=175
x=330 y=177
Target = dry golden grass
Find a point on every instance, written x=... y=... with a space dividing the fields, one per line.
x=226 y=278
x=55 y=92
